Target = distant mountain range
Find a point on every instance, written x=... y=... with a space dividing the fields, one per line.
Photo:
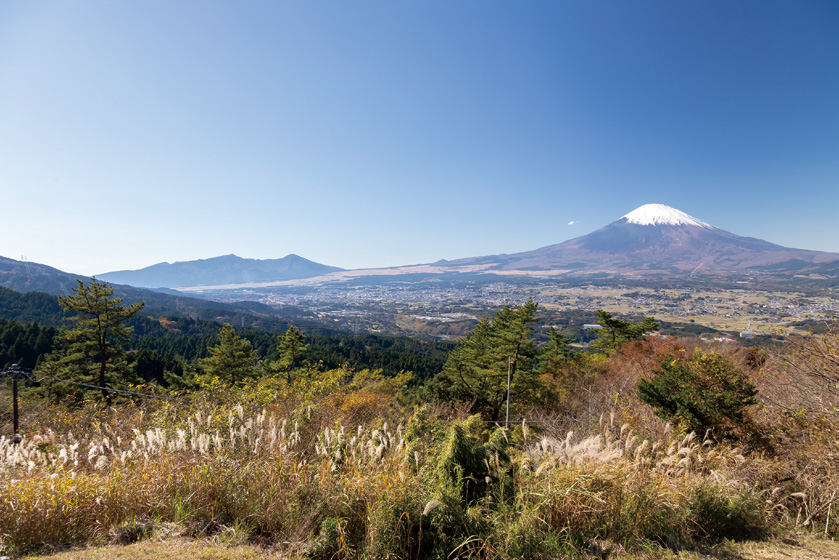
x=228 y=269
x=29 y=278
x=652 y=241
x=25 y=276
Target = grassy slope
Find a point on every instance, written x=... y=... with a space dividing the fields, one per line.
x=540 y=496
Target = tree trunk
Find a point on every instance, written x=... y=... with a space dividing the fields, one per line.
x=105 y=393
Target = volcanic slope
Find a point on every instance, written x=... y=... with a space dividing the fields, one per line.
x=655 y=238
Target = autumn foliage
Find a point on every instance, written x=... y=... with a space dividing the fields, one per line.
x=348 y=464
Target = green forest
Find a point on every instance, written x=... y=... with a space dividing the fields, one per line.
x=29 y=323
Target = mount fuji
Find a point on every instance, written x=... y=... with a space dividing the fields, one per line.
x=658 y=239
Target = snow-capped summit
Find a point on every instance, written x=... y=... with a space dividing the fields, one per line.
x=660 y=214
x=658 y=241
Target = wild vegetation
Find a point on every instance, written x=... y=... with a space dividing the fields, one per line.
x=607 y=451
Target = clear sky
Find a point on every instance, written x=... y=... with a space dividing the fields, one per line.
x=380 y=133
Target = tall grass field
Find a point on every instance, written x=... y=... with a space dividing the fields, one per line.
x=340 y=464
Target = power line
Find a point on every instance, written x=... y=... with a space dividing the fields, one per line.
x=159 y=397
x=524 y=421
x=89 y=386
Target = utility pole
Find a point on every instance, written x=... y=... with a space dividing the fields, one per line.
x=509 y=380
x=15 y=429
x=15 y=372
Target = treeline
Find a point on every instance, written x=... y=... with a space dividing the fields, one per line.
x=189 y=339
x=169 y=343
x=33 y=307
x=23 y=344
x=44 y=308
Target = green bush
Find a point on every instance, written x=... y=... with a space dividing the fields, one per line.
x=705 y=393
x=329 y=542
x=719 y=513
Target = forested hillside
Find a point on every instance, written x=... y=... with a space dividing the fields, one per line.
x=170 y=342
x=23 y=344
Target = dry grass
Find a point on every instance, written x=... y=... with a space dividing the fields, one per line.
x=802 y=547
x=330 y=468
x=281 y=479
x=170 y=549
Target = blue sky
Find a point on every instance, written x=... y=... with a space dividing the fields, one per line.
x=367 y=134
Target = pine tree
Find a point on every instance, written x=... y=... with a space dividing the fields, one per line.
x=616 y=332
x=477 y=370
x=233 y=360
x=706 y=392
x=291 y=347
x=556 y=354
x=95 y=346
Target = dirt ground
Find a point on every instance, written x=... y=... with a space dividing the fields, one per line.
x=798 y=548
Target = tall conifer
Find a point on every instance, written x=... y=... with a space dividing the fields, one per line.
x=95 y=346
